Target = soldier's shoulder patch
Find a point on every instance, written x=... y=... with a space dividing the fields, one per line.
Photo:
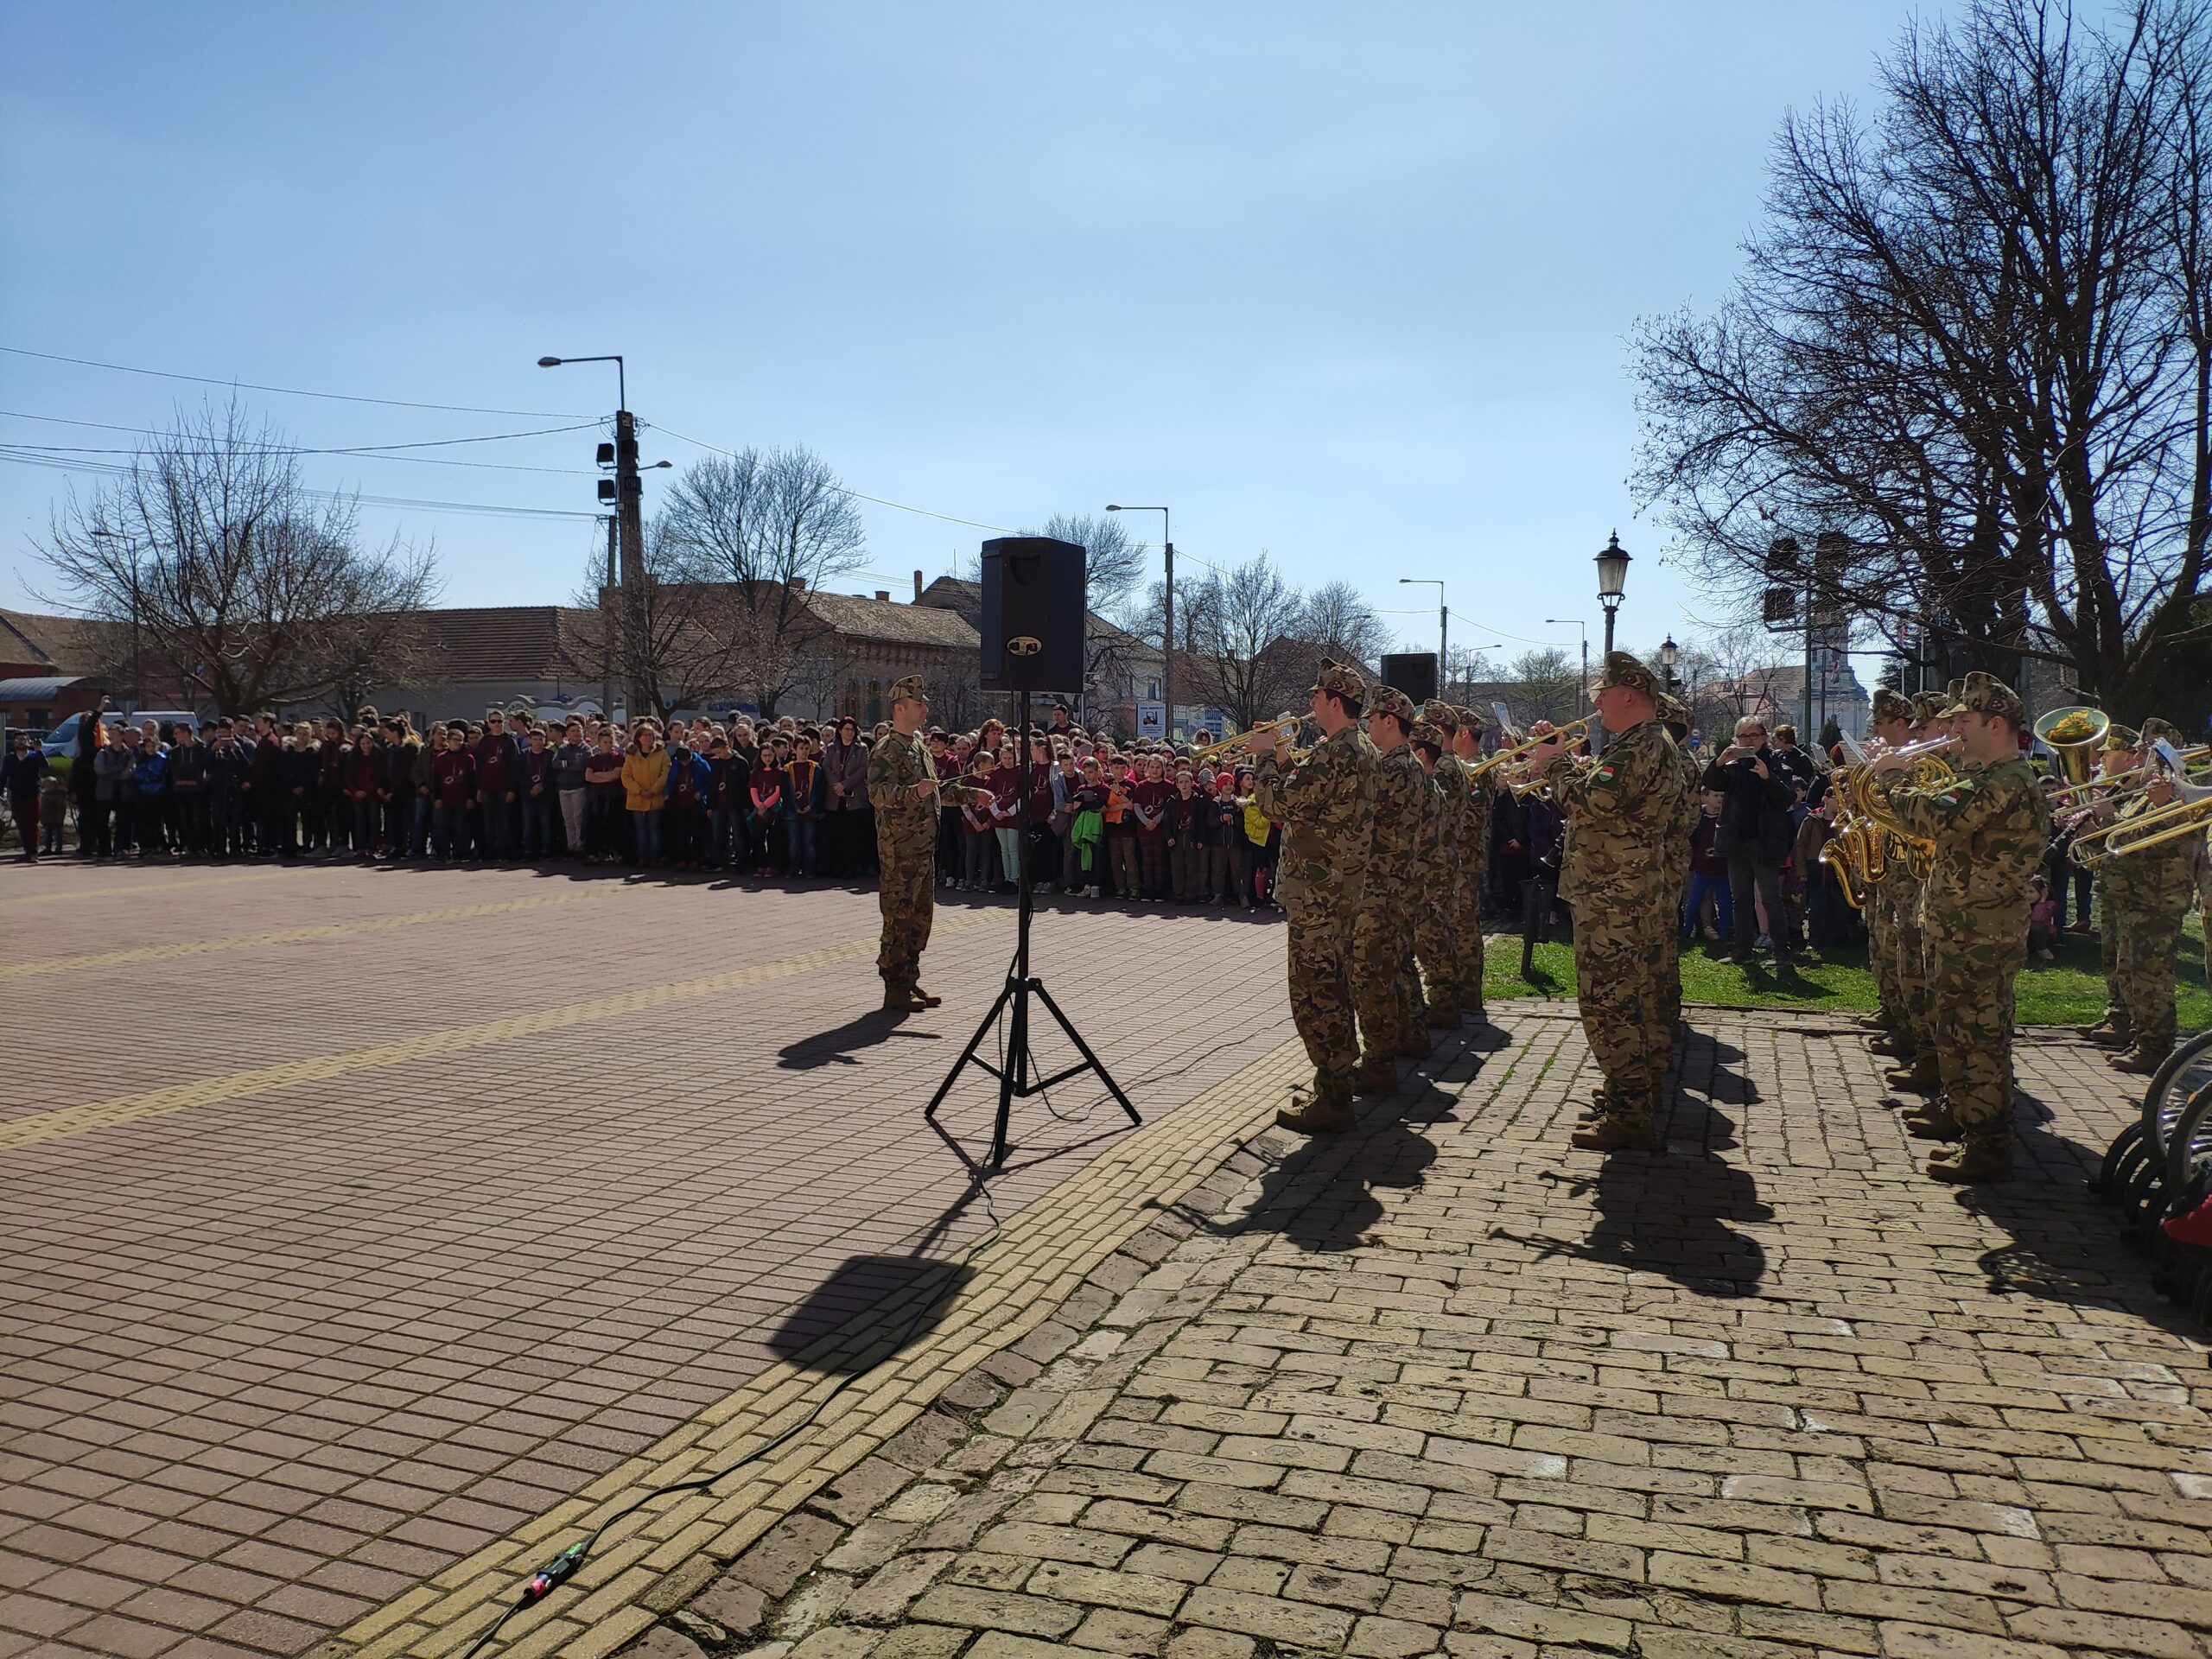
x=1606 y=773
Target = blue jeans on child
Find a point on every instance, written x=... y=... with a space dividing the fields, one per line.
x=1724 y=905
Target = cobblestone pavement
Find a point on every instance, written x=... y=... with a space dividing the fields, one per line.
x=1444 y=1385
x=354 y=1218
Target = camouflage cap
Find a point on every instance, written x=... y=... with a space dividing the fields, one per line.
x=2155 y=729
x=1890 y=705
x=1340 y=680
x=1672 y=709
x=1471 y=723
x=909 y=690
x=1985 y=694
x=1622 y=669
x=2119 y=738
x=1429 y=734
x=1389 y=700
x=1927 y=706
x=1442 y=715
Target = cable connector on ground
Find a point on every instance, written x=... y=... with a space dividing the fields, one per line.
x=552 y=1574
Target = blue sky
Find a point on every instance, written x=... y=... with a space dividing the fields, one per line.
x=1350 y=284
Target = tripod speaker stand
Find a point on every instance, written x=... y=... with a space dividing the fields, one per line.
x=1017 y=1069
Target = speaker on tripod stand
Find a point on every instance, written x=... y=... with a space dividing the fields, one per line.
x=1032 y=628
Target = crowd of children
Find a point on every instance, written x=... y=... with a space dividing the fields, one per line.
x=778 y=798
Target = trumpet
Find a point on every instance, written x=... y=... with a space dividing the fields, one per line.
x=1572 y=732
x=1227 y=743
x=2188 y=814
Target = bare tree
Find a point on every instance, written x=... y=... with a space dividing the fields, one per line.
x=1961 y=384
x=1544 y=684
x=1236 y=616
x=1337 y=618
x=247 y=589
x=758 y=532
x=1113 y=558
x=668 y=636
x=1461 y=672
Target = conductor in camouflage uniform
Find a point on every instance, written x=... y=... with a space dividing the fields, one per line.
x=1326 y=803
x=2150 y=893
x=1991 y=826
x=1384 y=983
x=1617 y=872
x=1890 y=720
x=902 y=788
x=1472 y=869
x=1436 y=934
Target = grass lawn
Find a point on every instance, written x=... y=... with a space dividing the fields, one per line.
x=2067 y=992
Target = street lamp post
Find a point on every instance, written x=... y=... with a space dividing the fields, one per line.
x=1670 y=654
x=1166 y=617
x=1612 y=576
x=1443 y=621
x=629 y=512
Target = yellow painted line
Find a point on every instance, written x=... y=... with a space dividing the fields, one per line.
x=294 y=935
x=1021 y=1279
x=30 y=1131
x=154 y=888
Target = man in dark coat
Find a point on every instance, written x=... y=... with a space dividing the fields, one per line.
x=1755 y=835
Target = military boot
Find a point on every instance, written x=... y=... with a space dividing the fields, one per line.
x=2111 y=1032
x=1443 y=1016
x=1325 y=1114
x=1972 y=1161
x=1930 y=1121
x=2139 y=1059
x=1377 y=1075
x=1921 y=1077
x=927 y=999
x=1891 y=1044
x=1415 y=1046
x=1613 y=1133
x=902 y=999
x=1876 y=1021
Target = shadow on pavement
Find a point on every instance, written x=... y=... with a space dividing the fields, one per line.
x=838 y=1046
x=853 y=1296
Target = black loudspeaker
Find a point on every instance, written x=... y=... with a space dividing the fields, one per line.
x=1033 y=612
x=1412 y=672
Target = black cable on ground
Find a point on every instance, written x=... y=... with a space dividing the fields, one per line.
x=564 y=1566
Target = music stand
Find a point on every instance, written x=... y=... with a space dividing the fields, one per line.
x=1016 y=1073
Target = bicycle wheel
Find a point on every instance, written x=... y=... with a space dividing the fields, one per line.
x=2190 y=1142
x=2181 y=1076
x=2128 y=1150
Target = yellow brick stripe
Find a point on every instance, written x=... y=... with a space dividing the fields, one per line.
x=18 y=1133
x=296 y=935
x=1041 y=1257
x=153 y=889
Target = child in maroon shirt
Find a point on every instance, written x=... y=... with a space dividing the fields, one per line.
x=454 y=774
x=1151 y=800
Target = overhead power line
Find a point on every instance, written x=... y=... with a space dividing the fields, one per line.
x=109 y=469
x=291 y=391
x=299 y=449
x=857 y=495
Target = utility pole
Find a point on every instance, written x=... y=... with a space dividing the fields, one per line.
x=1166 y=618
x=630 y=494
x=606 y=632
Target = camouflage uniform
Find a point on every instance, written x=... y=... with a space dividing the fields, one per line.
x=1436 y=934
x=1384 y=982
x=906 y=849
x=1326 y=803
x=1912 y=964
x=1616 y=871
x=2149 y=894
x=1879 y=908
x=1991 y=826
x=1673 y=714
x=2118 y=740
x=1472 y=871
